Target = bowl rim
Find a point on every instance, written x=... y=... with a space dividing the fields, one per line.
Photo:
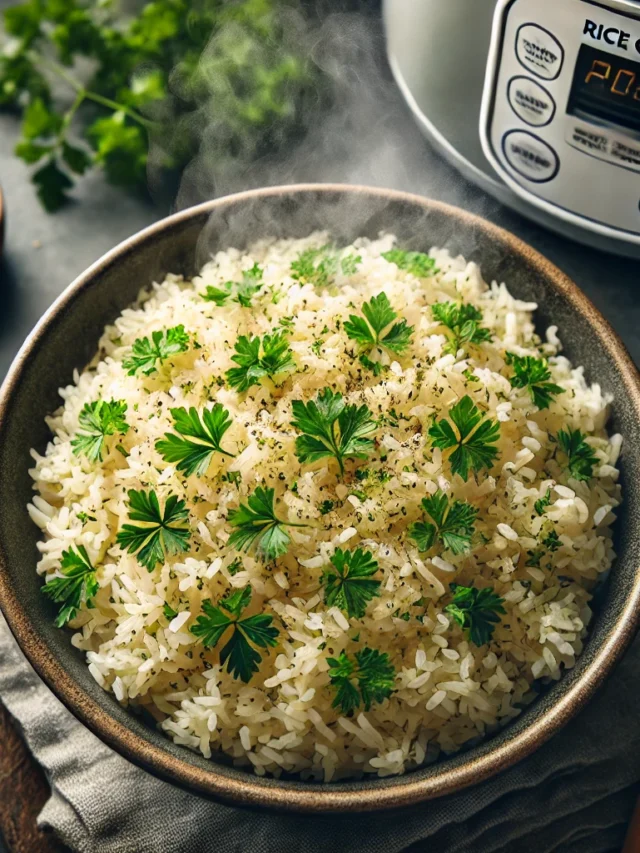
x=254 y=790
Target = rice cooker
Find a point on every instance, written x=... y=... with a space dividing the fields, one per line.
x=537 y=101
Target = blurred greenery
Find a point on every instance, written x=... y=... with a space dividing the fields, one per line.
x=97 y=82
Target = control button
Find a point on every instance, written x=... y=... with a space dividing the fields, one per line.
x=530 y=156
x=539 y=51
x=530 y=101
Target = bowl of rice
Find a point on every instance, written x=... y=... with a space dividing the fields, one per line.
x=321 y=498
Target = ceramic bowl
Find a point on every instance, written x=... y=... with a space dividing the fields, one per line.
x=66 y=338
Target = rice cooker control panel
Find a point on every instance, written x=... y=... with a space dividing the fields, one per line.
x=561 y=109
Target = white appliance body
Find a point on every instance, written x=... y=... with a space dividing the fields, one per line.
x=538 y=101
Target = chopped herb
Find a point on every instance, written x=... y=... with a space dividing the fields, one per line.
x=169 y=612
x=198 y=439
x=98 y=420
x=83 y=517
x=77 y=586
x=160 y=533
x=239 y=653
x=349 y=585
x=240 y=291
x=369 y=679
x=463 y=321
x=453 y=524
x=234 y=477
x=476 y=611
x=316 y=346
x=258 y=526
x=369 y=331
x=329 y=427
x=362 y=496
x=145 y=353
x=533 y=373
x=417 y=263
x=325 y=507
x=541 y=504
x=552 y=541
x=268 y=356
x=580 y=456
x=473 y=441
x=123 y=450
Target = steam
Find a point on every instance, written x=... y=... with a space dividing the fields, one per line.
x=360 y=138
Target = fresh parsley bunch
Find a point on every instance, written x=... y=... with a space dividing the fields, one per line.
x=76 y=586
x=580 y=458
x=534 y=375
x=268 y=356
x=165 y=72
x=463 y=322
x=96 y=421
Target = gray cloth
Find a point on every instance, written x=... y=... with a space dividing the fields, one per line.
x=574 y=794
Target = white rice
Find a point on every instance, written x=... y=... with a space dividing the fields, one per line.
x=448 y=692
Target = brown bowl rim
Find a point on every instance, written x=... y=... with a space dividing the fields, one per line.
x=253 y=790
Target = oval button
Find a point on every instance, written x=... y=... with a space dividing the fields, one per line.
x=530 y=156
x=530 y=101
x=539 y=51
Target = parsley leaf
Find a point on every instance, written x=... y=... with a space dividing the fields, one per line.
x=369 y=679
x=145 y=353
x=476 y=611
x=331 y=428
x=417 y=263
x=349 y=585
x=98 y=420
x=533 y=373
x=160 y=533
x=268 y=356
x=239 y=653
x=350 y=263
x=463 y=323
x=541 y=504
x=315 y=266
x=453 y=524
x=580 y=456
x=368 y=333
x=473 y=442
x=193 y=457
x=258 y=526
x=77 y=586
x=241 y=292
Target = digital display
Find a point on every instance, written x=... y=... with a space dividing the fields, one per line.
x=606 y=87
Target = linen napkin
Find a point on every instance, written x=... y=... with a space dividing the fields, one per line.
x=576 y=793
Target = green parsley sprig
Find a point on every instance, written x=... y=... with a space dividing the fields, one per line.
x=258 y=526
x=349 y=584
x=368 y=679
x=417 y=263
x=159 y=532
x=472 y=441
x=258 y=357
x=463 y=322
x=240 y=653
x=533 y=374
x=241 y=292
x=199 y=437
x=375 y=330
x=98 y=420
x=541 y=505
x=453 y=524
x=77 y=586
x=477 y=611
x=147 y=353
x=330 y=427
x=580 y=458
